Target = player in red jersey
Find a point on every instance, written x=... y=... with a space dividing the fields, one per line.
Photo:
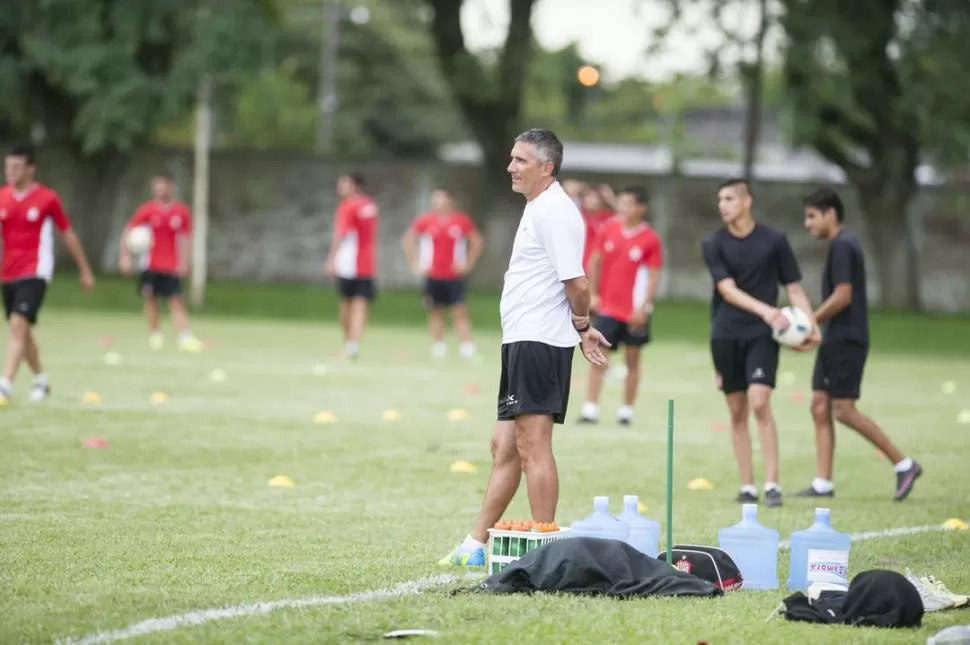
x=596 y=212
x=351 y=258
x=450 y=244
x=29 y=213
x=166 y=264
x=626 y=264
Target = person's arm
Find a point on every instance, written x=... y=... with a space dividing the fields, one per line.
x=791 y=276
x=475 y=245
x=593 y=276
x=409 y=244
x=341 y=227
x=730 y=291
x=72 y=242
x=841 y=274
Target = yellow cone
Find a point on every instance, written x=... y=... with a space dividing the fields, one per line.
x=391 y=415
x=3 y=400
x=91 y=397
x=458 y=414
x=159 y=398
x=324 y=417
x=963 y=417
x=217 y=376
x=641 y=507
x=281 y=481
x=462 y=466
x=700 y=484
x=955 y=524
x=949 y=387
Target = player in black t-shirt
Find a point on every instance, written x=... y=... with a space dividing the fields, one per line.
x=747 y=262
x=841 y=358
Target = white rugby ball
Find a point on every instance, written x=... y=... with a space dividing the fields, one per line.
x=139 y=239
x=799 y=327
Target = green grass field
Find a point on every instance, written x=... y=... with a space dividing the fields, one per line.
x=175 y=514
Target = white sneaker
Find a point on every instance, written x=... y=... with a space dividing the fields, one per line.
x=467 y=350
x=439 y=350
x=156 y=341
x=931 y=600
x=39 y=392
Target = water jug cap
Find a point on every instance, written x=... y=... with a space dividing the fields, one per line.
x=630 y=499
x=823 y=511
x=601 y=500
x=749 y=508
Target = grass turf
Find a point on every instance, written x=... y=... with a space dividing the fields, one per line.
x=175 y=514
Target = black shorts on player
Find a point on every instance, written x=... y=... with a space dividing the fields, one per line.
x=156 y=284
x=443 y=293
x=618 y=332
x=743 y=363
x=535 y=380
x=838 y=369
x=24 y=297
x=356 y=288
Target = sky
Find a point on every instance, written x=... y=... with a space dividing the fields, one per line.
x=612 y=33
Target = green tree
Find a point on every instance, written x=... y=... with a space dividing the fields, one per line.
x=877 y=87
x=274 y=109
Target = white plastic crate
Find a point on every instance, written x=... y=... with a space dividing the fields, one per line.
x=505 y=547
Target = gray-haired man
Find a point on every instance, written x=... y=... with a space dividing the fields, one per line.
x=545 y=314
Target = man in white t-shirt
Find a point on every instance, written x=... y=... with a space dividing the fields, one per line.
x=545 y=314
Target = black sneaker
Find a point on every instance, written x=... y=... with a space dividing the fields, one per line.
x=588 y=420
x=811 y=492
x=624 y=422
x=905 y=481
x=744 y=497
x=773 y=497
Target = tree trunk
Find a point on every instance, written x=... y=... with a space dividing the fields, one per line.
x=886 y=207
x=753 y=77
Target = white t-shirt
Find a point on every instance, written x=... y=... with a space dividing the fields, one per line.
x=547 y=250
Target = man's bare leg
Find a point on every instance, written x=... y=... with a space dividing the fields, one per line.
x=461 y=321
x=631 y=356
x=17 y=333
x=503 y=480
x=436 y=327
x=533 y=438
x=594 y=389
x=737 y=403
x=41 y=387
x=824 y=435
x=759 y=399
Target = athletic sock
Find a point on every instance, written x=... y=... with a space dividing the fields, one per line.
x=625 y=413
x=591 y=410
x=6 y=385
x=904 y=465
x=823 y=485
x=353 y=348
x=470 y=544
x=750 y=489
x=439 y=349
x=41 y=379
x=467 y=349
x=185 y=335
x=772 y=486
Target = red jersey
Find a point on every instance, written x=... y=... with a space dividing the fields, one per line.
x=357 y=223
x=27 y=222
x=594 y=225
x=443 y=242
x=169 y=223
x=626 y=258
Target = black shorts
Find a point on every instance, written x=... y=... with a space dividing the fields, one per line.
x=443 y=293
x=356 y=288
x=838 y=369
x=535 y=380
x=741 y=363
x=618 y=332
x=24 y=297
x=156 y=284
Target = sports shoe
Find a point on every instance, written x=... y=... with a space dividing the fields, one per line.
x=190 y=344
x=744 y=497
x=940 y=591
x=773 y=497
x=905 y=481
x=473 y=560
x=156 y=342
x=39 y=392
x=934 y=598
x=624 y=421
x=588 y=420
x=811 y=492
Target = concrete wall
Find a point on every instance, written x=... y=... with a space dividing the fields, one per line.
x=271 y=216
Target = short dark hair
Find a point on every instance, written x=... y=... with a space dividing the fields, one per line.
x=25 y=151
x=823 y=199
x=166 y=175
x=639 y=193
x=354 y=177
x=548 y=147
x=730 y=182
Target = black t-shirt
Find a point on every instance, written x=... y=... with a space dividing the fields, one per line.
x=758 y=263
x=845 y=265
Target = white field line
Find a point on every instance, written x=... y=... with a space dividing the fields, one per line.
x=411 y=588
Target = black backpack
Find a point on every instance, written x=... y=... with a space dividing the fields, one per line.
x=707 y=563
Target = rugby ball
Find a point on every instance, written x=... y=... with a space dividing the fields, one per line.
x=139 y=239
x=799 y=327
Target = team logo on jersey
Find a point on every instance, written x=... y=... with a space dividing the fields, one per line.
x=33 y=214
x=176 y=222
x=635 y=254
x=455 y=231
x=608 y=246
x=368 y=210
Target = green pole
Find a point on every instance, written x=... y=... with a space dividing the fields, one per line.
x=670 y=481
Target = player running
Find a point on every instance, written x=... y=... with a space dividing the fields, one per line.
x=626 y=264
x=29 y=213
x=450 y=245
x=351 y=258
x=166 y=264
x=747 y=261
x=841 y=358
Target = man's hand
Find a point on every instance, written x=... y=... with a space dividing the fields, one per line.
x=639 y=318
x=592 y=343
x=776 y=320
x=811 y=341
x=329 y=267
x=87 y=280
x=461 y=268
x=183 y=271
x=124 y=264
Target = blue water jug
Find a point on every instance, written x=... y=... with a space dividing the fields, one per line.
x=600 y=524
x=818 y=554
x=644 y=533
x=754 y=548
